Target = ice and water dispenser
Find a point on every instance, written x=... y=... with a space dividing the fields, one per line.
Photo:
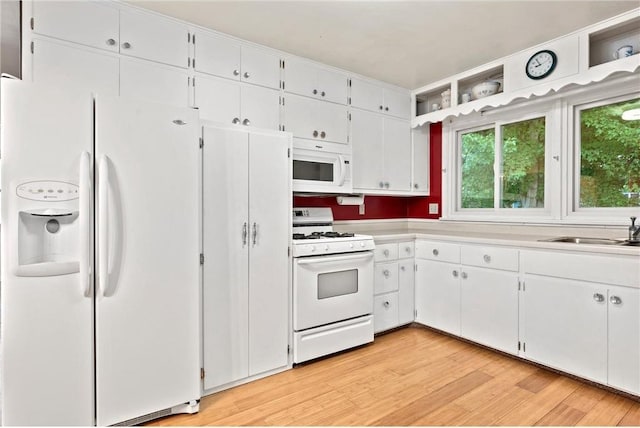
x=48 y=228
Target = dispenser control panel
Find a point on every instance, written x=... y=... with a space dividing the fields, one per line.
x=47 y=191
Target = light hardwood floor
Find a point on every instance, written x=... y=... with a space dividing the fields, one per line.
x=414 y=376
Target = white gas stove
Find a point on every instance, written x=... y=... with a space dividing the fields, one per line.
x=332 y=286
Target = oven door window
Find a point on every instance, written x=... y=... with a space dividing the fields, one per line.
x=313 y=171
x=334 y=284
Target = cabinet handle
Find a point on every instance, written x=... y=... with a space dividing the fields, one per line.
x=385 y=273
x=487 y=258
x=402 y=268
x=381 y=184
x=455 y=273
x=598 y=297
x=386 y=185
x=386 y=253
x=246 y=122
x=235 y=121
x=254 y=234
x=315 y=91
x=323 y=134
x=408 y=250
x=386 y=109
x=463 y=275
x=236 y=72
x=615 y=300
x=435 y=252
x=315 y=133
x=111 y=42
x=415 y=186
x=126 y=45
x=244 y=234
x=381 y=107
x=322 y=93
x=246 y=75
x=386 y=304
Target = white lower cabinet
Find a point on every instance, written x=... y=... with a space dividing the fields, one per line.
x=624 y=338
x=393 y=285
x=438 y=295
x=246 y=269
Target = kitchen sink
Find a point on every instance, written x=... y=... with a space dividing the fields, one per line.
x=591 y=241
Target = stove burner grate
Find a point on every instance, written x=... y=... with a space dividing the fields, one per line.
x=318 y=235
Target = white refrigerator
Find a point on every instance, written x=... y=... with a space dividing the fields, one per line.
x=100 y=258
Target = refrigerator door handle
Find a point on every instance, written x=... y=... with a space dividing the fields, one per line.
x=85 y=223
x=103 y=225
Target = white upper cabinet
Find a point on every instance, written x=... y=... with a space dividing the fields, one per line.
x=315 y=120
x=421 y=156
x=305 y=78
x=89 y=23
x=154 y=82
x=227 y=58
x=372 y=97
x=155 y=38
x=73 y=67
x=397 y=154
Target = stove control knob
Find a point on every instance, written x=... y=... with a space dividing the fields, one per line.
x=326 y=248
x=362 y=244
x=350 y=245
x=313 y=248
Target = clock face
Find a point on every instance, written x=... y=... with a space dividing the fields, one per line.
x=541 y=64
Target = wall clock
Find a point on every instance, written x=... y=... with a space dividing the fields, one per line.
x=541 y=64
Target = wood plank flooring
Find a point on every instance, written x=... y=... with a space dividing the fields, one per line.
x=414 y=376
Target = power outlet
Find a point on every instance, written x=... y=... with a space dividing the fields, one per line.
x=433 y=208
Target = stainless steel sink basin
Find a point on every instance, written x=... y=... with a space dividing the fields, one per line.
x=591 y=241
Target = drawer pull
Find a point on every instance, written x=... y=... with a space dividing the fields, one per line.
x=598 y=297
x=487 y=258
x=386 y=304
x=407 y=249
x=386 y=253
x=402 y=268
x=385 y=273
x=435 y=252
x=615 y=300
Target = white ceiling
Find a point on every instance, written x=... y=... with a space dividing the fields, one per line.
x=406 y=43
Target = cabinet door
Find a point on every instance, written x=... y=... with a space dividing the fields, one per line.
x=154 y=38
x=89 y=23
x=150 y=81
x=217 y=99
x=366 y=95
x=489 y=308
x=217 y=55
x=624 y=339
x=260 y=107
x=75 y=68
x=260 y=67
x=367 y=150
x=438 y=295
x=300 y=78
x=308 y=118
x=385 y=312
x=225 y=240
x=332 y=86
x=406 y=275
x=565 y=325
x=333 y=120
x=397 y=154
x=397 y=103
x=270 y=222
x=420 y=181
x=386 y=277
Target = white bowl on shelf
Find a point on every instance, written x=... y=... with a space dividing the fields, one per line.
x=485 y=89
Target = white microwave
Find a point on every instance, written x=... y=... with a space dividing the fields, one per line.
x=321 y=168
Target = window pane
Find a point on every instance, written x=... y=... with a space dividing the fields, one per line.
x=609 y=156
x=477 y=169
x=522 y=177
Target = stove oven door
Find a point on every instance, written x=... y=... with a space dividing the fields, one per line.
x=332 y=288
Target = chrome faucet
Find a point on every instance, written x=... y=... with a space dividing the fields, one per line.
x=634 y=230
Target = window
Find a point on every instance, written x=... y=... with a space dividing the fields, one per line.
x=518 y=148
x=608 y=153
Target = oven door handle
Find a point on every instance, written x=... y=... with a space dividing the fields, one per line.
x=337 y=258
x=343 y=170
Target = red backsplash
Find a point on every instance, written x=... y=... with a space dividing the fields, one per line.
x=386 y=207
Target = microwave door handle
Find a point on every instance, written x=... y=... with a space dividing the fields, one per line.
x=343 y=170
x=337 y=258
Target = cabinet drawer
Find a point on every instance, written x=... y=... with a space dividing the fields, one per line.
x=385 y=277
x=385 y=312
x=406 y=250
x=490 y=257
x=441 y=251
x=385 y=252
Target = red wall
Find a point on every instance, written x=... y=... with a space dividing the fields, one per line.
x=383 y=207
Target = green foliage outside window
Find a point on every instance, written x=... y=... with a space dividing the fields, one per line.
x=609 y=156
x=477 y=169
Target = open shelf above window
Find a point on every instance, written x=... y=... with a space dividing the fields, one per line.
x=604 y=44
